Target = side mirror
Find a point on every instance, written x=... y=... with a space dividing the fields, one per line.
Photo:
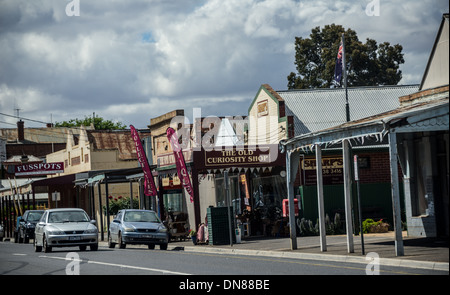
x=94 y=222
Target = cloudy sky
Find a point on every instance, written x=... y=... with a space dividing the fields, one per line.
x=132 y=60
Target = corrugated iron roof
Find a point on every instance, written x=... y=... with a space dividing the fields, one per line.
x=40 y=135
x=112 y=140
x=318 y=109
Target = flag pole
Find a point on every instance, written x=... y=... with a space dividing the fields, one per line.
x=344 y=67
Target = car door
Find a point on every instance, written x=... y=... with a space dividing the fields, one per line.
x=114 y=226
x=22 y=225
x=39 y=229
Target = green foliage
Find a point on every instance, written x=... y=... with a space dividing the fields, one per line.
x=98 y=122
x=371 y=226
x=119 y=203
x=367 y=224
x=368 y=64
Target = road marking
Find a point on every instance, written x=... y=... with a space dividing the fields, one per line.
x=163 y=271
x=235 y=256
x=19 y=254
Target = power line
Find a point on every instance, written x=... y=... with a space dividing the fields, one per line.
x=17 y=117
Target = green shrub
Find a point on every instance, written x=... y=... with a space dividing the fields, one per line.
x=367 y=224
x=118 y=203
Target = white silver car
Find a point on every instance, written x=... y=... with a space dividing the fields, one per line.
x=135 y=226
x=68 y=227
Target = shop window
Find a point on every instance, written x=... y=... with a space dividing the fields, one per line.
x=235 y=194
x=420 y=206
x=268 y=195
x=173 y=202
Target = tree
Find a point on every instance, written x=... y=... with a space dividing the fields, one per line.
x=368 y=64
x=99 y=123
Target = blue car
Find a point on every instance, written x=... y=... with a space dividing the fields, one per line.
x=134 y=226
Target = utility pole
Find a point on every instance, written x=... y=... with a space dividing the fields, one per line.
x=228 y=201
x=344 y=67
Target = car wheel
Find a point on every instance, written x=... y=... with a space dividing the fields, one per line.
x=36 y=247
x=122 y=245
x=151 y=246
x=111 y=245
x=45 y=245
x=94 y=247
x=163 y=246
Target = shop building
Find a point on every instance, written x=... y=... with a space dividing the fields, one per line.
x=417 y=135
x=279 y=115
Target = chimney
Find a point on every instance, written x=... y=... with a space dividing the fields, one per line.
x=20 y=130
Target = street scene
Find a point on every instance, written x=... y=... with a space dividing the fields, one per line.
x=200 y=164
x=185 y=259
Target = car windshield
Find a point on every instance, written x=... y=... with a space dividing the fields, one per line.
x=34 y=216
x=67 y=216
x=140 y=216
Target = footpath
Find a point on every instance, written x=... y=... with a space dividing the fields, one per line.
x=427 y=253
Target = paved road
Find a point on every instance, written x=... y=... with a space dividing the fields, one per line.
x=20 y=259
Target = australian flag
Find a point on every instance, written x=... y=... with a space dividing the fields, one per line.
x=338 y=67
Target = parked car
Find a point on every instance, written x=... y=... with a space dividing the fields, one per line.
x=66 y=227
x=134 y=226
x=27 y=224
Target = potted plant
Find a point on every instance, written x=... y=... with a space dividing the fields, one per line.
x=193 y=236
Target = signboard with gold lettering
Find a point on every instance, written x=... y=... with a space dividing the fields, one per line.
x=243 y=156
x=332 y=171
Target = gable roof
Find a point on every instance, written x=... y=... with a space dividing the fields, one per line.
x=437 y=69
x=318 y=109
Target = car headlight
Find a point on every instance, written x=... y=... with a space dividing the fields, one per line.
x=31 y=225
x=91 y=231
x=162 y=230
x=129 y=229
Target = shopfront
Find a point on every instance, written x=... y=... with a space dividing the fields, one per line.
x=257 y=185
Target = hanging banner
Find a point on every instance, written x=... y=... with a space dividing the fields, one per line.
x=179 y=161
x=149 y=183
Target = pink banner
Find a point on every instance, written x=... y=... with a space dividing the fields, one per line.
x=149 y=183
x=179 y=161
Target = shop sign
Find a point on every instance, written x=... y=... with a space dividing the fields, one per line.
x=263 y=108
x=332 y=171
x=39 y=169
x=169 y=159
x=240 y=156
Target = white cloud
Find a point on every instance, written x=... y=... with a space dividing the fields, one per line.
x=134 y=60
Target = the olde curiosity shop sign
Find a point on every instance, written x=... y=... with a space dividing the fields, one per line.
x=239 y=156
